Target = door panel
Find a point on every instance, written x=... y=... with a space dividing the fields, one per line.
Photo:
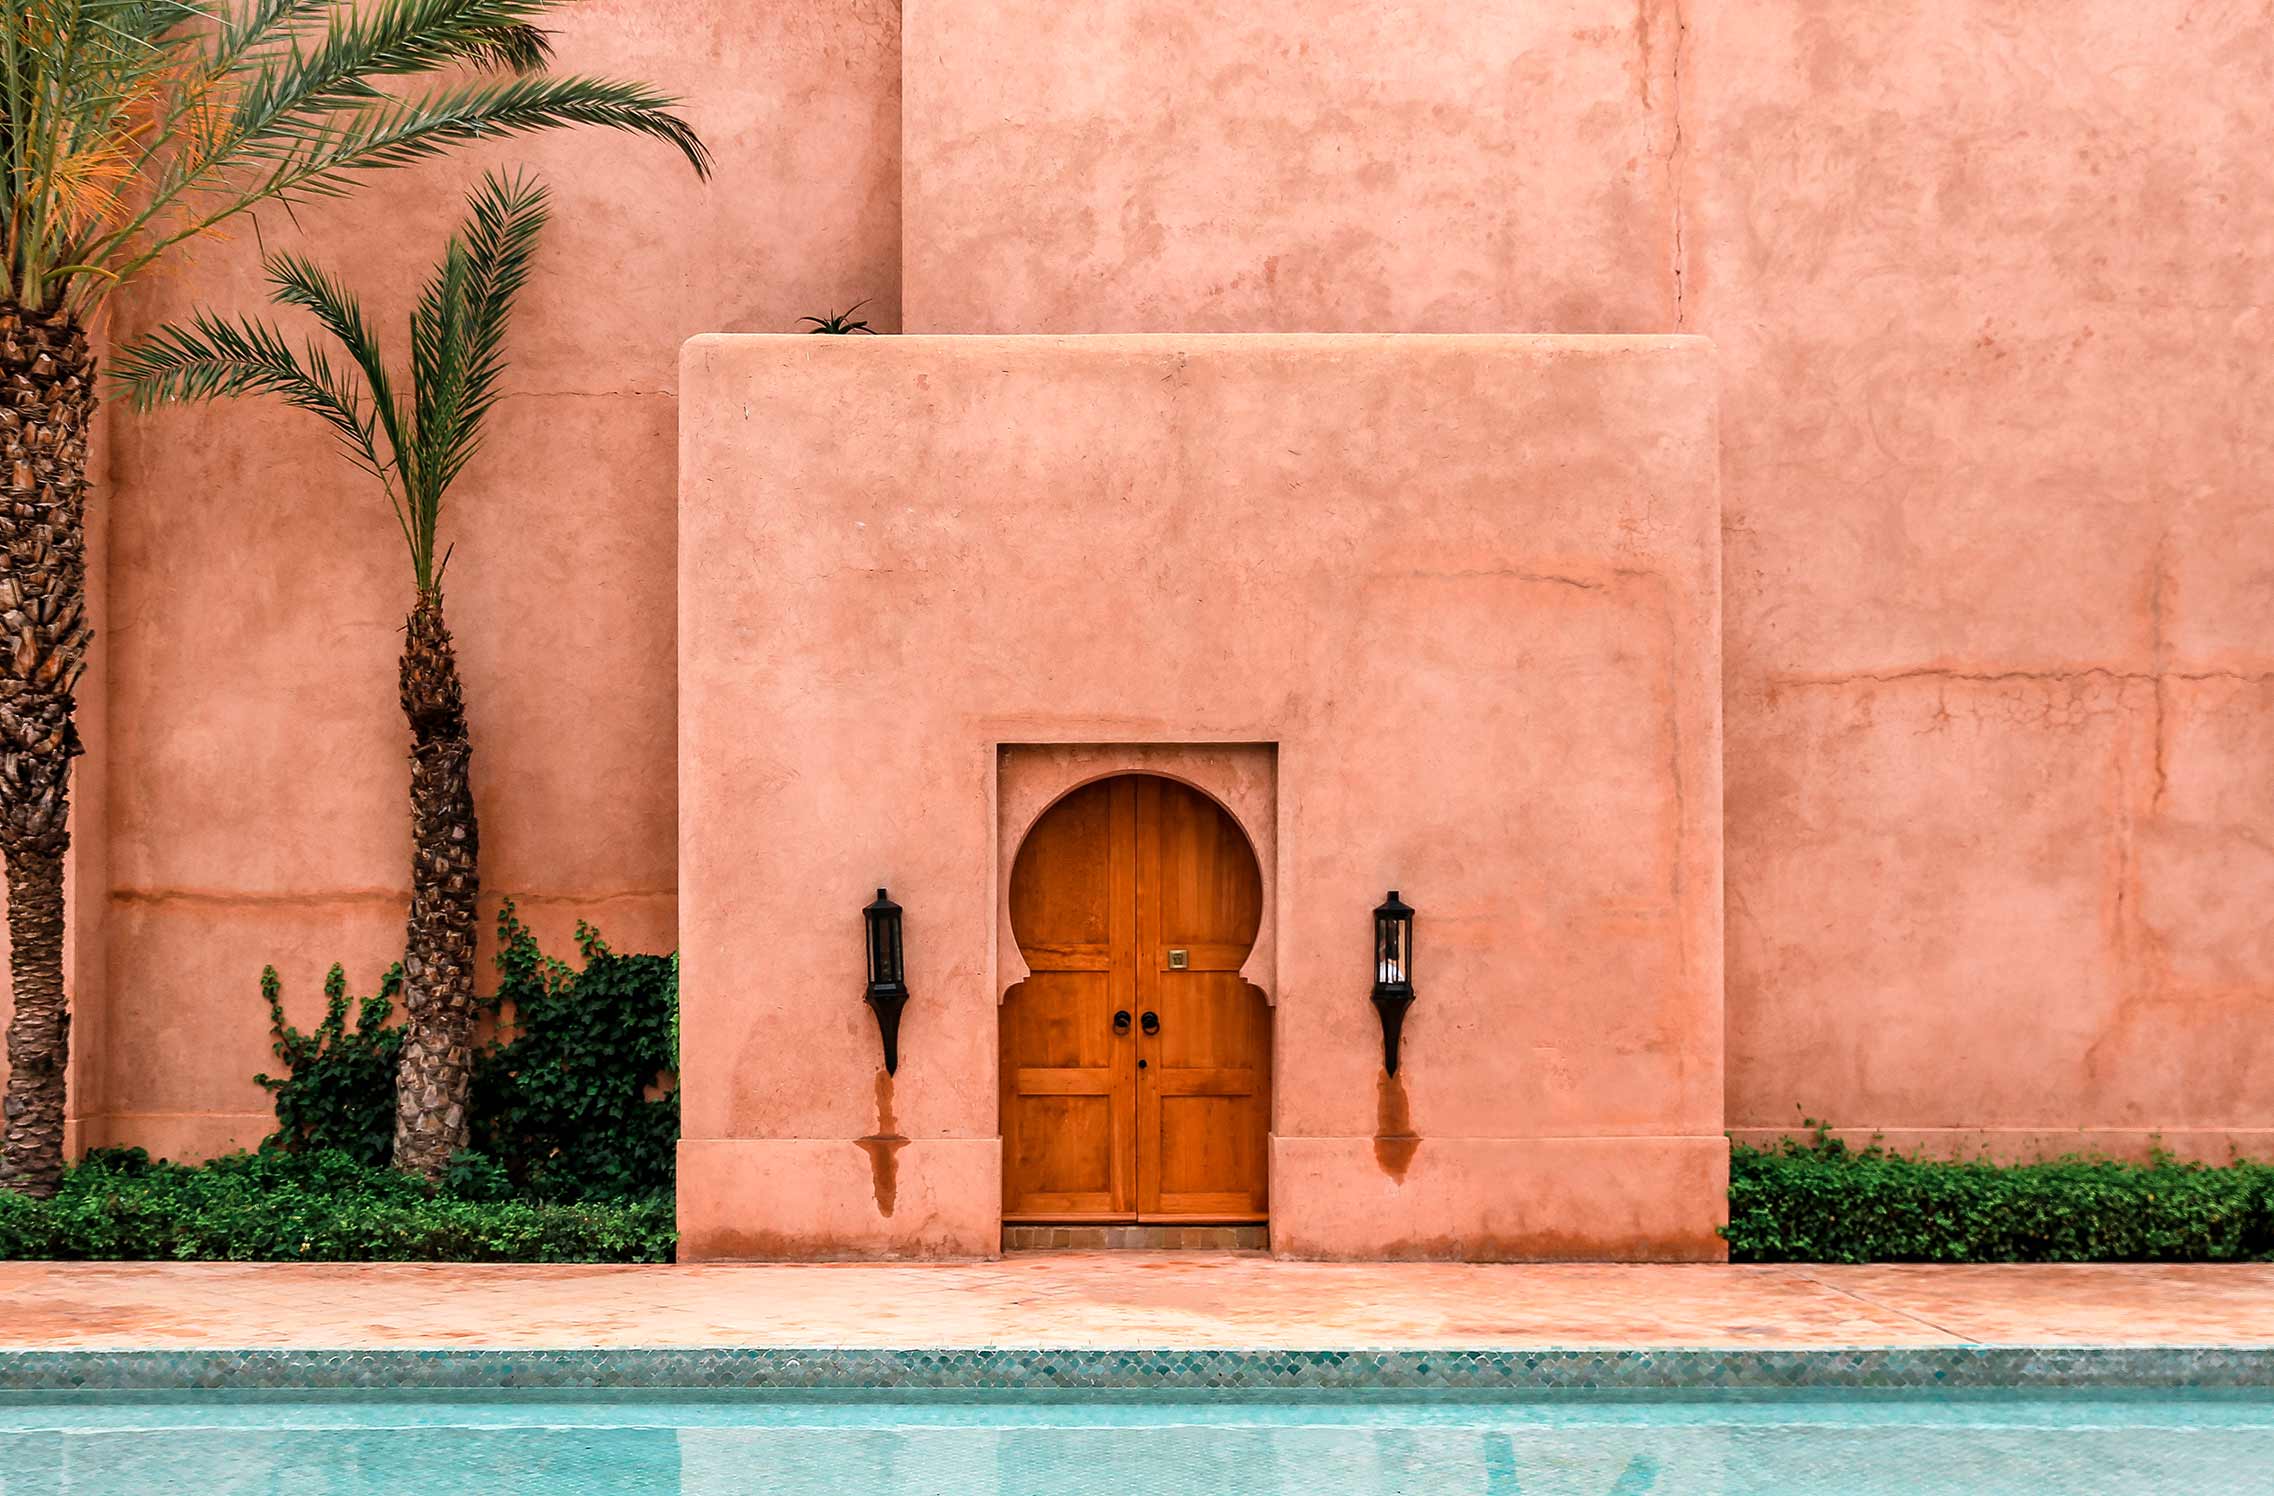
x=1204 y=1091
x=1068 y=1087
x=1138 y=896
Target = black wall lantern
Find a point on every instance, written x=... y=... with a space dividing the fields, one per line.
x=888 y=975
x=1393 y=972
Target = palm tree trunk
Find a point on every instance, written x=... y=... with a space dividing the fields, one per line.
x=436 y=1070
x=47 y=399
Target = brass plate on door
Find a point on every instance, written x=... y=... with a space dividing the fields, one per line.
x=1179 y=960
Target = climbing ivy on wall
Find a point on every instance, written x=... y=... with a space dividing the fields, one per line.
x=574 y=1100
x=338 y=1086
x=580 y=1103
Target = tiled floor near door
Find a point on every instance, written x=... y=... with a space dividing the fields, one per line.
x=1104 y=1299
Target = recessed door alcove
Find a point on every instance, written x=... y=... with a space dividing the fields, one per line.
x=1135 y=1059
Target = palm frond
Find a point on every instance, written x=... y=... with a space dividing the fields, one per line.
x=513 y=49
x=458 y=329
x=392 y=40
x=241 y=29
x=217 y=359
x=296 y=281
x=85 y=181
x=321 y=157
x=76 y=77
x=128 y=127
x=417 y=445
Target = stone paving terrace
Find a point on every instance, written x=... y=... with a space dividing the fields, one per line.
x=1124 y=1300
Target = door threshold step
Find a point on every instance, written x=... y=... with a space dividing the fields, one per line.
x=1136 y=1238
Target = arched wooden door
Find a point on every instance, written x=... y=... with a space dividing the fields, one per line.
x=1136 y=1064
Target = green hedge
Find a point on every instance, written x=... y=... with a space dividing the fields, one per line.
x=310 y=1207
x=1820 y=1201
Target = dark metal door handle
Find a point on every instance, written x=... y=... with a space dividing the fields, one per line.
x=1121 y=1021
x=1151 y=1023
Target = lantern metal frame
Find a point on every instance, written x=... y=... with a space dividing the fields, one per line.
x=888 y=973
x=1393 y=973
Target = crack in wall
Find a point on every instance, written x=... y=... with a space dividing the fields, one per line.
x=1508 y=574
x=2045 y=677
x=256 y=899
x=1662 y=590
x=664 y=394
x=1677 y=166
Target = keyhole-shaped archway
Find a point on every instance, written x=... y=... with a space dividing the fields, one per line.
x=1136 y=1062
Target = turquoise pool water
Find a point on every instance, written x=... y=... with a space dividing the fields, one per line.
x=960 y=1444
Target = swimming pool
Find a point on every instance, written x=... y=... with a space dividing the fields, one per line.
x=961 y=1443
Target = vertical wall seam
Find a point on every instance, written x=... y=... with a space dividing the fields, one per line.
x=2159 y=665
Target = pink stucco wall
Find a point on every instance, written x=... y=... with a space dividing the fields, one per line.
x=1990 y=288
x=1468 y=589
x=257 y=585
x=1224 y=166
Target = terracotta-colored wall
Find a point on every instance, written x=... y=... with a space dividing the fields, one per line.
x=1345 y=166
x=1990 y=287
x=258 y=585
x=1988 y=284
x=1468 y=587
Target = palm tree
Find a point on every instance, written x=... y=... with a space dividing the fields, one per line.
x=129 y=128
x=415 y=440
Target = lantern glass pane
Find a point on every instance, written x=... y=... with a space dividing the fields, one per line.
x=1393 y=942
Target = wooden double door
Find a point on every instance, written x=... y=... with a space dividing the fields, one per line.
x=1136 y=1064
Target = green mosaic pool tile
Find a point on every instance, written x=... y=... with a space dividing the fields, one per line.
x=824 y=1368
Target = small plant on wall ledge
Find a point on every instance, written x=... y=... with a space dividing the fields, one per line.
x=841 y=323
